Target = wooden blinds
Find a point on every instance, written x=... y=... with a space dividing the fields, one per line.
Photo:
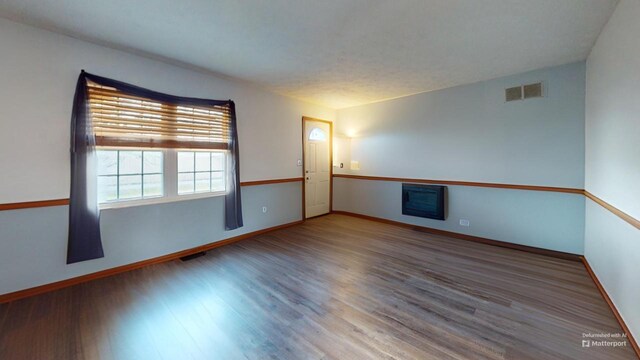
x=120 y=119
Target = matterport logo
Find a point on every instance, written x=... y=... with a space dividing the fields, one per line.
x=603 y=340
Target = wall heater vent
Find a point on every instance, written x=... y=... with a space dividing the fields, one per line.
x=532 y=90
x=523 y=92
x=513 y=94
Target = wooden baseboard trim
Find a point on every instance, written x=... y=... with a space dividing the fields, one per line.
x=530 y=249
x=21 y=294
x=613 y=308
x=464 y=183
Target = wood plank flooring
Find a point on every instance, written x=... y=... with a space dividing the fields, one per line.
x=335 y=287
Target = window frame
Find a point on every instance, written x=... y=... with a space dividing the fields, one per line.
x=142 y=174
x=195 y=171
x=170 y=179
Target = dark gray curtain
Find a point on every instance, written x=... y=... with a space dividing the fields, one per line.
x=84 y=216
x=233 y=199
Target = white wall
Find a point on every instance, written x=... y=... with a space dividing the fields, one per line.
x=612 y=171
x=341 y=153
x=39 y=70
x=469 y=133
x=613 y=111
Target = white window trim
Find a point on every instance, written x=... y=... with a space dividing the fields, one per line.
x=170 y=183
x=157 y=200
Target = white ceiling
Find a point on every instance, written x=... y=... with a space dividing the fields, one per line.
x=337 y=53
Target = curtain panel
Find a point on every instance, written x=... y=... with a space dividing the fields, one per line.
x=84 y=241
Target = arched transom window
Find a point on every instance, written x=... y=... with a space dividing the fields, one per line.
x=318 y=134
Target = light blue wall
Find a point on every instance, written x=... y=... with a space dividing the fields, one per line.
x=469 y=133
x=612 y=171
x=33 y=242
x=612 y=247
x=545 y=220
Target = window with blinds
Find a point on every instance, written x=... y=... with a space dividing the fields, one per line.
x=123 y=120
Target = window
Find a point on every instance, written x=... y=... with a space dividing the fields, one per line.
x=150 y=151
x=317 y=134
x=200 y=172
x=129 y=174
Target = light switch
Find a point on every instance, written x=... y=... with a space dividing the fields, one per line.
x=299 y=162
x=355 y=165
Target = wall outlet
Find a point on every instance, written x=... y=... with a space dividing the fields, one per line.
x=299 y=162
x=264 y=209
x=464 y=222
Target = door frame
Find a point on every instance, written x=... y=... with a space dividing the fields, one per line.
x=304 y=164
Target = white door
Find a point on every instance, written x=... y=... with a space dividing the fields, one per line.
x=317 y=167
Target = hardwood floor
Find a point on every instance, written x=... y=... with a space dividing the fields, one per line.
x=335 y=287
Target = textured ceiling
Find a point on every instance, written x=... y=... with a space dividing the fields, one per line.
x=337 y=53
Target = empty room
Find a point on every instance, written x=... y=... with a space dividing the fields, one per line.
x=341 y=179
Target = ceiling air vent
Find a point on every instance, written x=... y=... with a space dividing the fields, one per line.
x=513 y=94
x=532 y=90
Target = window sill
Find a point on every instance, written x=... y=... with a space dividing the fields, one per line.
x=158 y=200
